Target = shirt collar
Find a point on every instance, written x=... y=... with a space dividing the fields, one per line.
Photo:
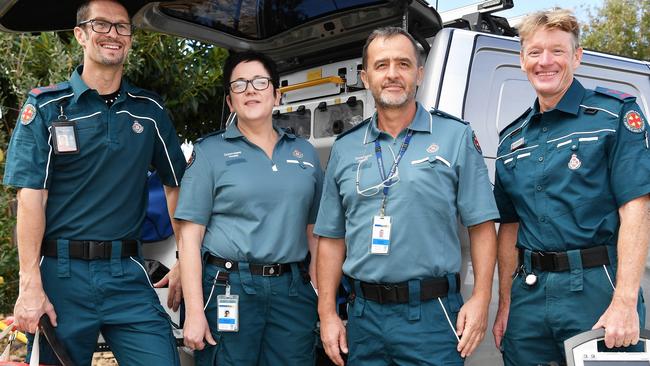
x=570 y=102
x=422 y=122
x=233 y=132
x=79 y=87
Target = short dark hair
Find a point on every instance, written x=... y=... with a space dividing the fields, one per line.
x=84 y=9
x=235 y=58
x=389 y=32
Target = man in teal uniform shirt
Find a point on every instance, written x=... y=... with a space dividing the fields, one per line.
x=393 y=190
x=572 y=184
x=79 y=157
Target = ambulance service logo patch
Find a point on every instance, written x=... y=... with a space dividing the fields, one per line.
x=28 y=114
x=476 y=144
x=432 y=148
x=137 y=127
x=298 y=154
x=634 y=122
x=190 y=161
x=574 y=162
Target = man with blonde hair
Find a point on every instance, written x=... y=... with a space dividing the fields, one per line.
x=572 y=188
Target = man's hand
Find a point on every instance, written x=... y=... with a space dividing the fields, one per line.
x=173 y=279
x=471 y=324
x=195 y=330
x=30 y=306
x=621 y=323
x=333 y=335
x=500 y=324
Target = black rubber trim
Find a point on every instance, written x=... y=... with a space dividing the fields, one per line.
x=444 y=68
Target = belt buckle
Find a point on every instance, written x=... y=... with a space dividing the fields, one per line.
x=95 y=250
x=387 y=293
x=271 y=270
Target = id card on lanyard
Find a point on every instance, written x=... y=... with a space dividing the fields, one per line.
x=381 y=224
x=228 y=312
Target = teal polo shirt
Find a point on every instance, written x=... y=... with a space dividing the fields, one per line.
x=563 y=174
x=442 y=176
x=100 y=193
x=254 y=209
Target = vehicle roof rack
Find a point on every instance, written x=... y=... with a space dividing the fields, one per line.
x=479 y=17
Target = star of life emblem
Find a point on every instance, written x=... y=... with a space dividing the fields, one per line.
x=28 y=114
x=574 y=162
x=634 y=122
x=137 y=127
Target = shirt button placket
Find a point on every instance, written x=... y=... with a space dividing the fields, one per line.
x=540 y=175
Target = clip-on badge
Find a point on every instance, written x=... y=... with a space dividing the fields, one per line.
x=64 y=135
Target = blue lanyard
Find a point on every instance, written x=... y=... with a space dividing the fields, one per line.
x=380 y=162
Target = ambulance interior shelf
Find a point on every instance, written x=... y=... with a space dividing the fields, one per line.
x=329 y=120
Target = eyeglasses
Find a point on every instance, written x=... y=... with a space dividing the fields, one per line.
x=104 y=27
x=259 y=83
x=373 y=190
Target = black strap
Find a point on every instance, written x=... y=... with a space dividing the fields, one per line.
x=431 y=288
x=559 y=261
x=90 y=249
x=267 y=270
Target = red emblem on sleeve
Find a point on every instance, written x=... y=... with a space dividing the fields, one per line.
x=28 y=114
x=634 y=122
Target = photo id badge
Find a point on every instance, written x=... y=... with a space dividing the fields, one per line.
x=64 y=137
x=228 y=312
x=380 y=235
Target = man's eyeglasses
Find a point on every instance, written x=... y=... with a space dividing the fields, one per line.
x=259 y=83
x=373 y=190
x=103 y=27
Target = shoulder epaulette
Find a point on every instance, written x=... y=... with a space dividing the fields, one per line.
x=36 y=92
x=200 y=139
x=622 y=96
x=517 y=120
x=363 y=123
x=440 y=113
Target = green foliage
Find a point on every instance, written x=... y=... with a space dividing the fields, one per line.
x=186 y=73
x=620 y=27
x=8 y=252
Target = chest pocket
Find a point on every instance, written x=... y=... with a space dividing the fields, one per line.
x=235 y=160
x=517 y=166
x=430 y=170
x=304 y=165
x=578 y=158
x=91 y=138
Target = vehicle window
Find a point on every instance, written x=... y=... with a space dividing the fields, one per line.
x=256 y=19
x=332 y=120
x=298 y=121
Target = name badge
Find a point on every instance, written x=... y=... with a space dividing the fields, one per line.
x=517 y=144
x=228 y=312
x=64 y=137
x=380 y=243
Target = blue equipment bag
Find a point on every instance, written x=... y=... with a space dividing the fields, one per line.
x=156 y=225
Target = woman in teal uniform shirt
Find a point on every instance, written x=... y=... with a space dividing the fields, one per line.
x=248 y=203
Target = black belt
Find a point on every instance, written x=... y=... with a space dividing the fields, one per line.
x=90 y=249
x=399 y=292
x=559 y=261
x=267 y=270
